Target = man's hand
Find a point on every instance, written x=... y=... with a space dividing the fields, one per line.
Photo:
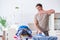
x=39 y=31
x=52 y=11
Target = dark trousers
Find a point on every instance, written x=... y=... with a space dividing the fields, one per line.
x=46 y=33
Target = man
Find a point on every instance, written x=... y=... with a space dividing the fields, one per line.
x=42 y=19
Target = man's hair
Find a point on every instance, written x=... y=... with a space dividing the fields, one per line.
x=39 y=5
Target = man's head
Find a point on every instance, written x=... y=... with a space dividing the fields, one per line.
x=39 y=7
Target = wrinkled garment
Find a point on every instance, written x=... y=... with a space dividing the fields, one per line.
x=21 y=28
x=45 y=38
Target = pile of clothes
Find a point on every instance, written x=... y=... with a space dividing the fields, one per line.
x=23 y=31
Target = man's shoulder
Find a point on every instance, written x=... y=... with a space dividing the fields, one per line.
x=36 y=14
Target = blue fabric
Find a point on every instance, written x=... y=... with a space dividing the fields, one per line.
x=45 y=38
x=21 y=28
x=40 y=34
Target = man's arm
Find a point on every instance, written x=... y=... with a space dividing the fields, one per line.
x=36 y=25
x=51 y=11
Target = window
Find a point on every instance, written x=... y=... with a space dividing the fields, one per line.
x=57 y=21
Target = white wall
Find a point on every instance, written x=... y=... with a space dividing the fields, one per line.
x=26 y=11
